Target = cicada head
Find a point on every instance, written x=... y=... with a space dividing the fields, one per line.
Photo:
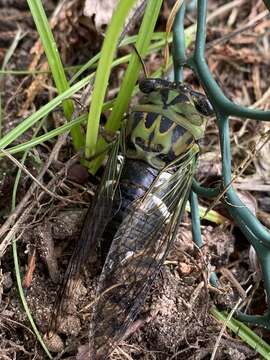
x=167 y=122
x=178 y=96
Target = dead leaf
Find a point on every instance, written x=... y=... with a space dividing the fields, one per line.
x=102 y=9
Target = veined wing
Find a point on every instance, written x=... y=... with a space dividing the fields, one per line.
x=136 y=254
x=97 y=217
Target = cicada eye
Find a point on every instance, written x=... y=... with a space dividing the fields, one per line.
x=147 y=85
x=204 y=106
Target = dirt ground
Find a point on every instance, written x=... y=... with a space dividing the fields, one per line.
x=175 y=322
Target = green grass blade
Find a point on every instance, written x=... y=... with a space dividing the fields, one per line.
x=17 y=266
x=23 y=300
x=7 y=57
x=53 y=58
x=45 y=137
x=134 y=67
x=130 y=78
x=103 y=73
x=45 y=110
x=245 y=333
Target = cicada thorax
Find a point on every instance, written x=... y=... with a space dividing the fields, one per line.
x=165 y=125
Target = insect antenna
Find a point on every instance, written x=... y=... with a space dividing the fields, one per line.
x=146 y=74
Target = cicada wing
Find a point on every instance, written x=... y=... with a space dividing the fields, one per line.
x=97 y=217
x=136 y=254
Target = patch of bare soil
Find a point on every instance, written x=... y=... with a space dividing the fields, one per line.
x=175 y=322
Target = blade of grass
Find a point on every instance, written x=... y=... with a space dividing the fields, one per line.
x=7 y=57
x=19 y=35
x=23 y=300
x=212 y=216
x=54 y=61
x=103 y=72
x=45 y=137
x=132 y=73
x=45 y=110
x=245 y=333
x=129 y=81
x=22 y=72
x=17 y=266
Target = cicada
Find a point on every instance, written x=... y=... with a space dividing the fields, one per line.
x=136 y=211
